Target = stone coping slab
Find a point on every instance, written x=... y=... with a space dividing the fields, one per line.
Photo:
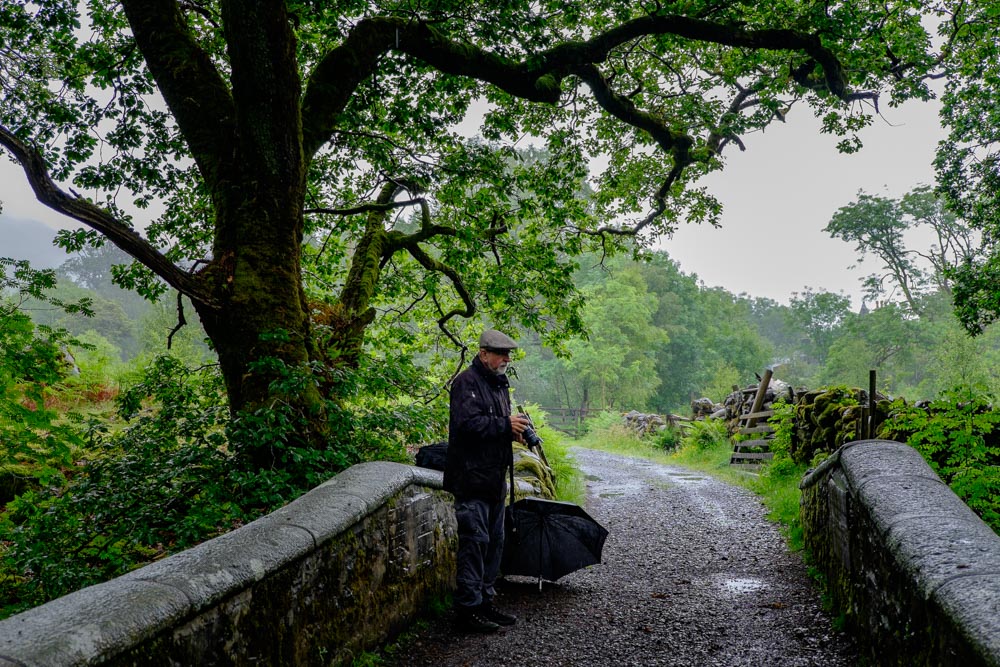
x=101 y=621
x=948 y=556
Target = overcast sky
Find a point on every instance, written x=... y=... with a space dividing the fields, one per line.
x=778 y=196
x=782 y=192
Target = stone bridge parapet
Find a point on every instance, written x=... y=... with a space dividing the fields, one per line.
x=914 y=570
x=340 y=569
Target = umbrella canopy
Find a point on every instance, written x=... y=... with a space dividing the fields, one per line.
x=549 y=539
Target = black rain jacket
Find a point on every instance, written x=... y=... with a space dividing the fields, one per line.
x=479 y=434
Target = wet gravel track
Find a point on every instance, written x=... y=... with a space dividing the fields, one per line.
x=693 y=574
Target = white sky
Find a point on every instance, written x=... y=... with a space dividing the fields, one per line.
x=778 y=196
x=781 y=193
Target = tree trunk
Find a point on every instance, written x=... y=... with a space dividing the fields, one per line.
x=259 y=324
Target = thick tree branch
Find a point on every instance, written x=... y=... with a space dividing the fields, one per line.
x=194 y=90
x=623 y=109
x=537 y=78
x=597 y=49
x=337 y=76
x=434 y=265
x=81 y=210
x=364 y=208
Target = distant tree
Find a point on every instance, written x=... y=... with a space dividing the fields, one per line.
x=883 y=340
x=878 y=225
x=614 y=366
x=95 y=267
x=772 y=322
x=680 y=360
x=711 y=342
x=819 y=316
x=955 y=240
x=280 y=139
x=729 y=334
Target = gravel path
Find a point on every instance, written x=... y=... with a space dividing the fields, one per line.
x=693 y=574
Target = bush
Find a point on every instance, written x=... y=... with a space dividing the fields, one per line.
x=155 y=486
x=705 y=434
x=783 y=424
x=957 y=434
x=667 y=439
x=175 y=475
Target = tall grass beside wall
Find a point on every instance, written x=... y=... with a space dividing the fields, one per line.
x=569 y=482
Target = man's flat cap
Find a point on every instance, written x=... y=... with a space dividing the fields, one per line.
x=494 y=340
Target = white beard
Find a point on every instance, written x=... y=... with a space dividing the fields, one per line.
x=502 y=368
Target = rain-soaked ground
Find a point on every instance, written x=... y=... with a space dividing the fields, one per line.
x=693 y=574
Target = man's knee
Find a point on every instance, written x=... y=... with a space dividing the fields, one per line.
x=471 y=517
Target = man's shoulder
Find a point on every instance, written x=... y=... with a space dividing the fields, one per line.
x=465 y=378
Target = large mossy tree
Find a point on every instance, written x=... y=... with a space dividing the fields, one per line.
x=294 y=167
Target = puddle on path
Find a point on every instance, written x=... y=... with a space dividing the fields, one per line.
x=743 y=586
x=688 y=478
x=605 y=489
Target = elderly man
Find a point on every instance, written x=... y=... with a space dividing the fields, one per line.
x=481 y=431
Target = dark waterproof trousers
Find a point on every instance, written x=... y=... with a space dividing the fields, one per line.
x=480 y=546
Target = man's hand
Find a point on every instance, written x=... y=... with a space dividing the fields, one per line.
x=517 y=424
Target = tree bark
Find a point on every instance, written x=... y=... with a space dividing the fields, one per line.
x=246 y=138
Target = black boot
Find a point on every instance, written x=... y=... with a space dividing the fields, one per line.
x=493 y=614
x=472 y=619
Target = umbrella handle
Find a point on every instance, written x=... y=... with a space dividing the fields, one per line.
x=513 y=524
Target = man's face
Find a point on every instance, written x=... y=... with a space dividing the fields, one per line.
x=495 y=360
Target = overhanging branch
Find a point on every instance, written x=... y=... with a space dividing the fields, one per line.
x=190 y=84
x=97 y=218
x=437 y=266
x=536 y=78
x=370 y=207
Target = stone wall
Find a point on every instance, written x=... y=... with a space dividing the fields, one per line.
x=339 y=570
x=915 y=572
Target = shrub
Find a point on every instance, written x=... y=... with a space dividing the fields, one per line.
x=957 y=434
x=705 y=434
x=782 y=423
x=174 y=475
x=155 y=486
x=667 y=439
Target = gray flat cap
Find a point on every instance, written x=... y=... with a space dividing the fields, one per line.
x=495 y=340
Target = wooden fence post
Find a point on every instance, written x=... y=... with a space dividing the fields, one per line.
x=871 y=404
x=758 y=400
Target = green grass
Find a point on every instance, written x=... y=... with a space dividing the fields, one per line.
x=570 y=485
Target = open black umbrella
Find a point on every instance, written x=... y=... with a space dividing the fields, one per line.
x=549 y=539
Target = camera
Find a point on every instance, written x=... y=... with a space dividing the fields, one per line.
x=531 y=438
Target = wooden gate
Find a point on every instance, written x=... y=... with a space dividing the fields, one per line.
x=567 y=420
x=750 y=454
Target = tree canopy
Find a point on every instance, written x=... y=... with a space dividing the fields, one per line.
x=297 y=170
x=968 y=160
x=877 y=226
